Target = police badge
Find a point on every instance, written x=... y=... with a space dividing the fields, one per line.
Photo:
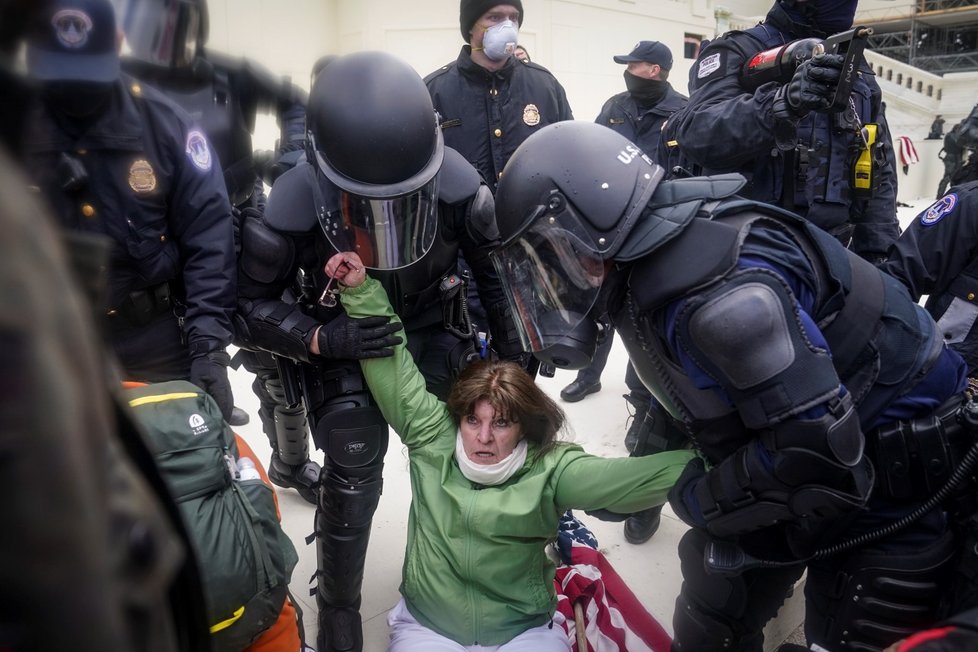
x=531 y=115
x=142 y=179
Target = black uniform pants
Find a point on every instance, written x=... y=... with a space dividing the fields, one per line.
x=152 y=353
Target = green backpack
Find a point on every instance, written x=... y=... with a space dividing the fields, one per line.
x=245 y=558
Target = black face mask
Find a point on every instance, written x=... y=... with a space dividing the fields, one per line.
x=645 y=91
x=79 y=101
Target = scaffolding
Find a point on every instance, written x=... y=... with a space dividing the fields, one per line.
x=938 y=36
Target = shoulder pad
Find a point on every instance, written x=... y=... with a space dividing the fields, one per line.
x=673 y=204
x=481 y=222
x=457 y=179
x=291 y=206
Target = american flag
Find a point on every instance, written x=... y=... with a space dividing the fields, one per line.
x=613 y=618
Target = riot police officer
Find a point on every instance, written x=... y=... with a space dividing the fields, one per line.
x=377 y=180
x=116 y=158
x=781 y=134
x=167 y=42
x=795 y=367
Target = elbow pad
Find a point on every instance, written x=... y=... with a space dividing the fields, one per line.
x=276 y=327
x=800 y=469
x=505 y=338
x=481 y=217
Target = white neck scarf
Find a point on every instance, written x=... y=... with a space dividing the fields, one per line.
x=489 y=474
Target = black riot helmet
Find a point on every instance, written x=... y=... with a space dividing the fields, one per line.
x=374 y=135
x=566 y=203
x=166 y=33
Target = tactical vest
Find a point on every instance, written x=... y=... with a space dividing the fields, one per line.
x=826 y=143
x=879 y=341
x=214 y=108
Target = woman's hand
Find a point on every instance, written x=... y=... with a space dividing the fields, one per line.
x=347 y=268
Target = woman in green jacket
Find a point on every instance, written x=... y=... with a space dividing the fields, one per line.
x=489 y=482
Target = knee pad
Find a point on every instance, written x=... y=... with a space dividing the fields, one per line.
x=877 y=598
x=353 y=433
x=346 y=424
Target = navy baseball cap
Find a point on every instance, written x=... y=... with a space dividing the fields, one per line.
x=650 y=52
x=74 y=40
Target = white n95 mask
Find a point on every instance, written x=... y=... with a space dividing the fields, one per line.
x=500 y=40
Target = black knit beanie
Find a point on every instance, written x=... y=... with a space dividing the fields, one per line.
x=471 y=10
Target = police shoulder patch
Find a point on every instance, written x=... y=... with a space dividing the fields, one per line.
x=936 y=212
x=708 y=65
x=198 y=150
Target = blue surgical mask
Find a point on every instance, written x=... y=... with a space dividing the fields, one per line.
x=500 y=40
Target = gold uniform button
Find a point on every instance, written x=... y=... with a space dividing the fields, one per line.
x=162 y=238
x=498 y=133
x=136 y=89
x=88 y=210
x=971 y=296
x=493 y=92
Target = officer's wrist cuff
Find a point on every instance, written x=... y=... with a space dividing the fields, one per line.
x=201 y=348
x=783 y=110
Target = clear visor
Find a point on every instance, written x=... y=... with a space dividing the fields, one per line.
x=552 y=275
x=161 y=32
x=385 y=233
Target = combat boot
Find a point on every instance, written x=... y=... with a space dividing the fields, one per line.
x=639 y=421
x=640 y=526
x=304 y=477
x=340 y=629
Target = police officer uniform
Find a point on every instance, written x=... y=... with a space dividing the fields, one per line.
x=640 y=123
x=225 y=95
x=393 y=193
x=804 y=376
x=137 y=170
x=936 y=256
x=96 y=554
x=486 y=115
x=727 y=127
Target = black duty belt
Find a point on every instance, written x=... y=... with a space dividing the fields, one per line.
x=914 y=458
x=141 y=307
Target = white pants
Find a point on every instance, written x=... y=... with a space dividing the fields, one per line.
x=408 y=635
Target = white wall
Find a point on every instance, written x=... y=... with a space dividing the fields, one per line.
x=575 y=39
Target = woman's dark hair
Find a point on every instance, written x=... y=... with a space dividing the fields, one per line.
x=514 y=395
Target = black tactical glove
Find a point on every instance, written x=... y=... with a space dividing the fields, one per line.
x=356 y=339
x=812 y=88
x=210 y=373
x=695 y=469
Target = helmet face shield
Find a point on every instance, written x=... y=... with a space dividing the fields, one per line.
x=387 y=233
x=552 y=274
x=161 y=32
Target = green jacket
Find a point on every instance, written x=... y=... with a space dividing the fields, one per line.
x=475 y=568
